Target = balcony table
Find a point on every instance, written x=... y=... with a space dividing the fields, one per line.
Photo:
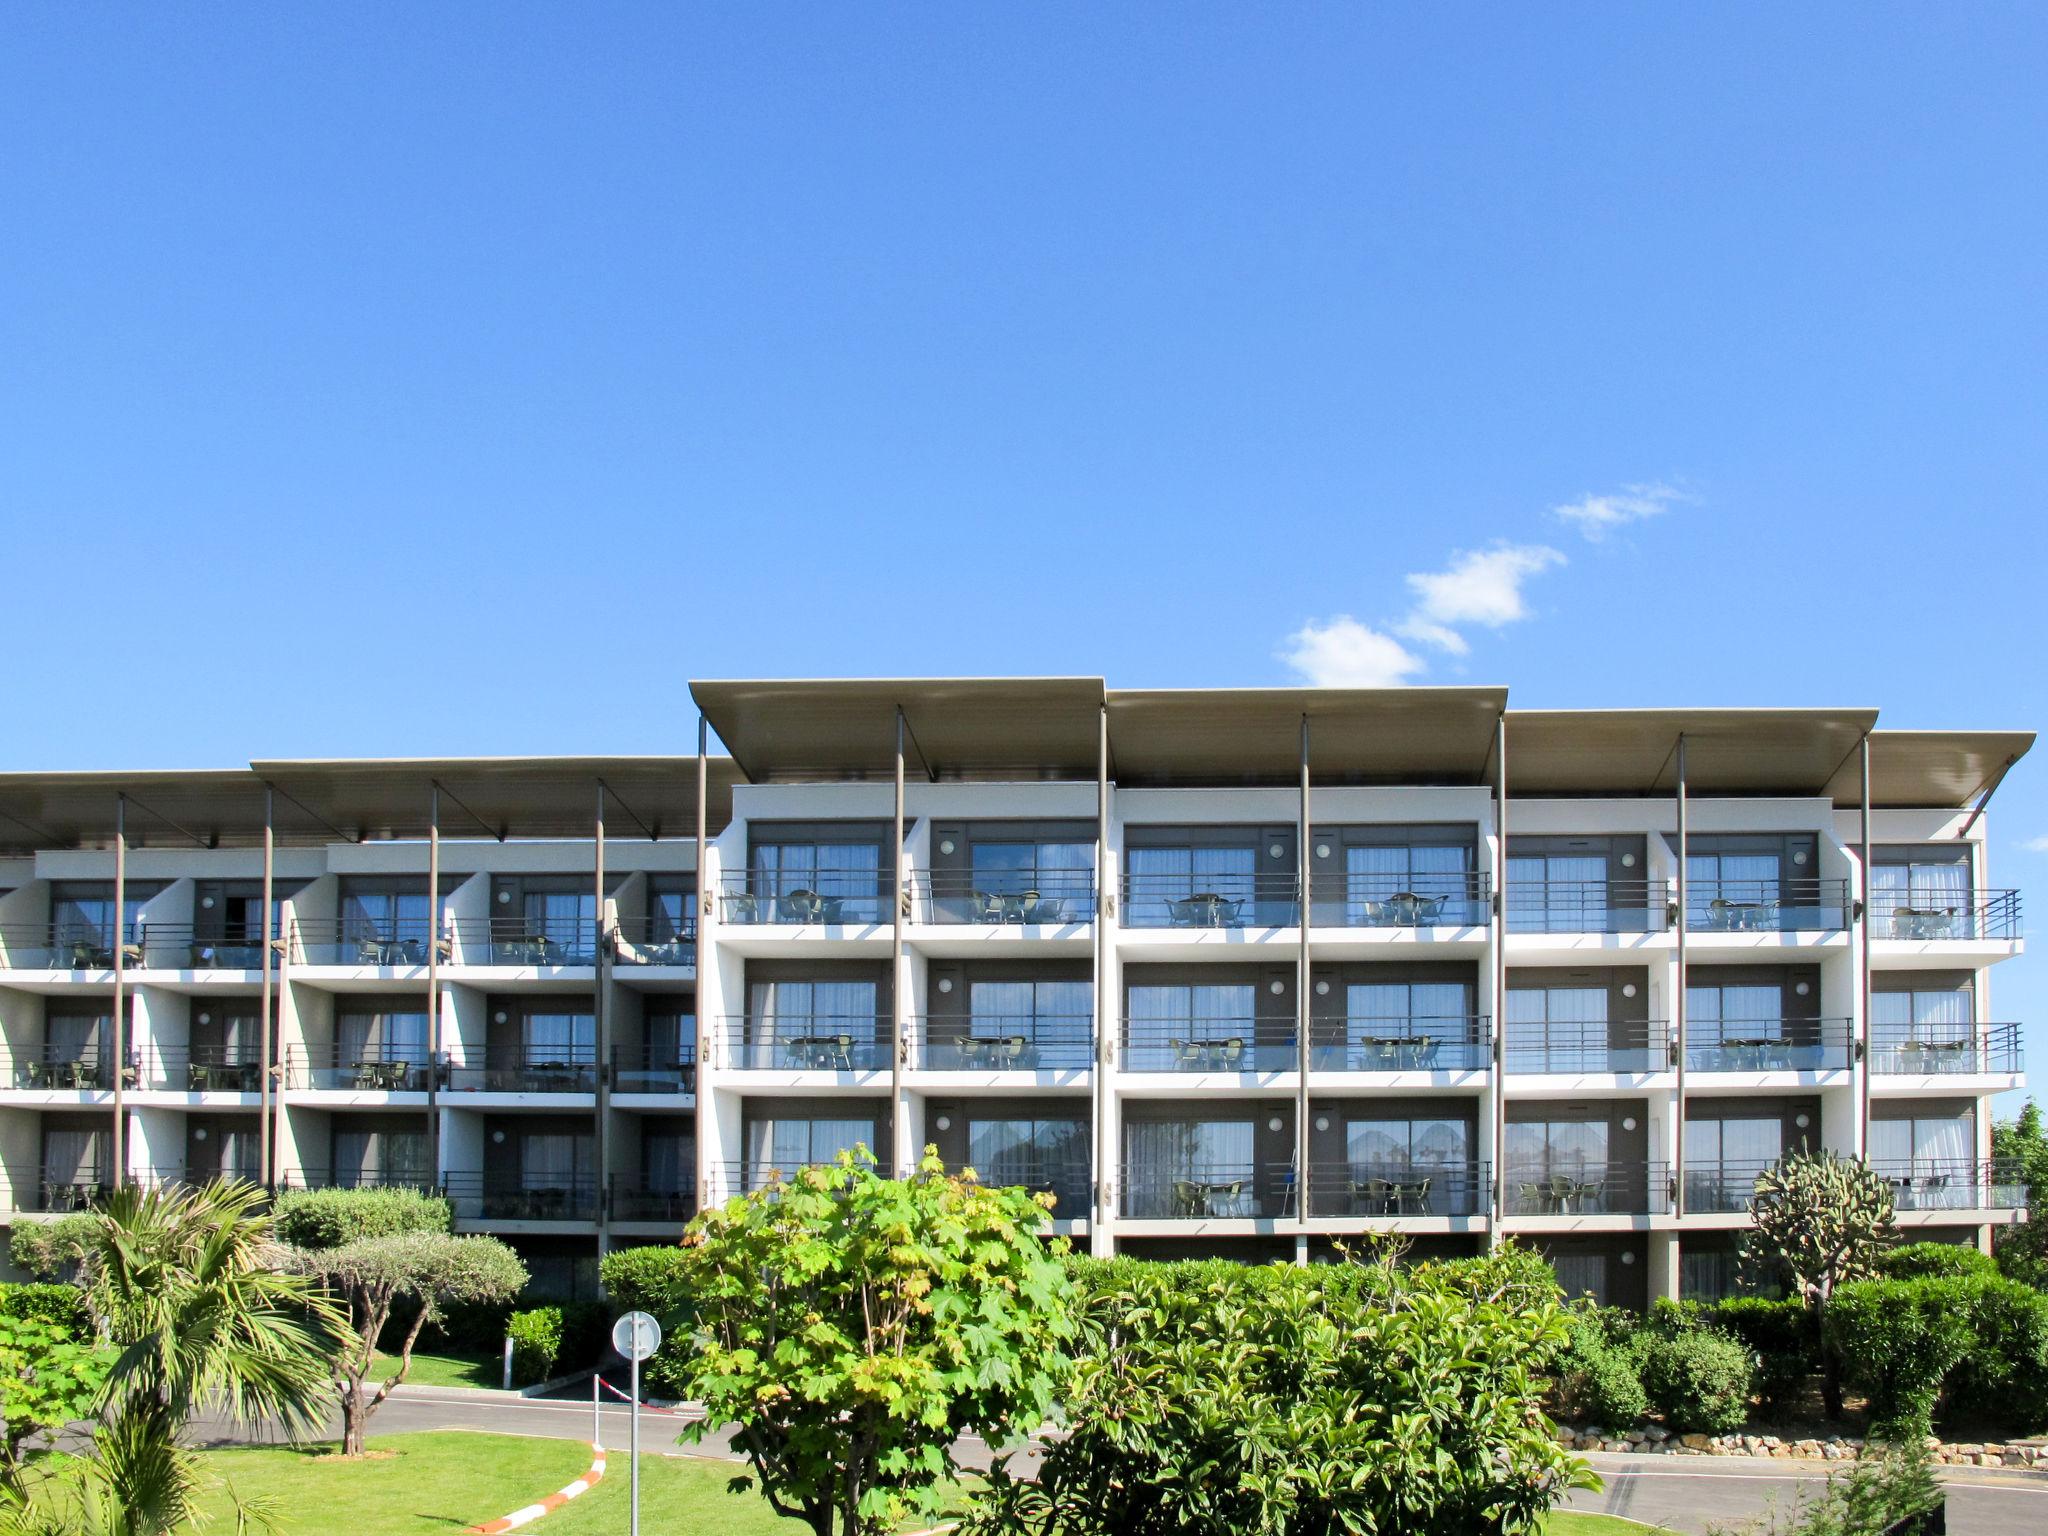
x=1210 y=1055
x=1767 y=1054
x=1206 y=1197
x=1204 y=909
x=742 y=907
x=820 y=1052
x=1923 y=922
x=1006 y=1051
x=1740 y=916
x=1390 y=1053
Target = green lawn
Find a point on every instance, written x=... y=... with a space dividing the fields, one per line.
x=429 y=1370
x=416 y=1483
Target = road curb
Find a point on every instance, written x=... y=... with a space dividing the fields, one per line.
x=553 y=1501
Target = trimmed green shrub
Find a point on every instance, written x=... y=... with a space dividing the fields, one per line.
x=332 y=1218
x=46 y=1249
x=1915 y=1261
x=2004 y=1376
x=60 y=1304
x=559 y=1337
x=648 y=1279
x=1781 y=1335
x=1899 y=1339
x=1698 y=1379
x=1595 y=1380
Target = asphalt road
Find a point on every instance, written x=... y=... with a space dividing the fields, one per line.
x=1687 y=1494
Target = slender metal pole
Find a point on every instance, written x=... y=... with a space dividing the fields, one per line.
x=596 y=1414
x=1302 y=1011
x=435 y=925
x=119 y=1063
x=264 y=1025
x=600 y=1030
x=706 y=901
x=1863 y=969
x=1103 y=1142
x=636 y=1441
x=1497 y=936
x=897 y=1109
x=1678 y=1021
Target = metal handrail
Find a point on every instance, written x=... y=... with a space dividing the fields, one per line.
x=1207 y=1191
x=1380 y=1187
x=509 y=1194
x=202 y=1069
x=1357 y=899
x=1789 y=904
x=390 y=945
x=1066 y=1179
x=1954 y=1184
x=994 y=898
x=652 y=940
x=1418 y=1043
x=631 y=1199
x=1588 y=906
x=1594 y=1046
x=815 y=1042
x=367 y=1069
x=1003 y=1042
x=1208 y=1045
x=1933 y=912
x=319 y=1177
x=1612 y=1188
x=643 y=1069
x=1933 y=1049
x=524 y=941
x=745 y=1176
x=1715 y=1187
x=51 y=1069
x=1211 y=901
x=1770 y=1045
x=568 y=1068
x=68 y=945
x=76 y=1190
x=825 y=898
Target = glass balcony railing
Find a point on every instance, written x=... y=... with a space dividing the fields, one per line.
x=637 y=1199
x=69 y=945
x=1588 y=906
x=201 y=1069
x=1206 y=1191
x=1066 y=1179
x=744 y=1178
x=1414 y=1188
x=1211 y=901
x=1004 y=1043
x=1046 y=898
x=824 y=899
x=392 y=944
x=539 y=941
x=1359 y=900
x=57 y=1069
x=1934 y=912
x=511 y=1195
x=360 y=1069
x=532 y=1069
x=181 y=947
x=56 y=1190
x=649 y=1069
x=1561 y=1046
x=1767 y=906
x=321 y=1177
x=1207 y=1045
x=656 y=940
x=1445 y=1044
x=1718 y=1188
x=1914 y=1050
x=1770 y=1045
x=1950 y=1184
x=1588 y=1189
x=822 y=1042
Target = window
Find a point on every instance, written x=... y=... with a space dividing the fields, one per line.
x=1564 y=1029
x=1011 y=1151
x=1190 y=1167
x=1712 y=1276
x=1407 y=1010
x=668 y=1164
x=788 y=1010
x=1398 y=1145
x=1724 y=1156
x=1045 y=867
x=374 y=1035
x=1540 y=1148
x=790 y=1143
x=846 y=877
x=559 y=1037
x=73 y=1157
x=1920 y=893
x=1160 y=875
x=1582 y=1274
x=373 y=914
x=1557 y=893
x=1379 y=879
x=1943 y=1141
x=364 y=1158
x=1743 y=879
x=554 y=1160
x=1716 y=1014
x=1037 y=1009
x=669 y=915
x=1168 y=1022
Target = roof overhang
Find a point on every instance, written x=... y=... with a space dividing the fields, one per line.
x=1727 y=751
x=992 y=728
x=1937 y=770
x=205 y=808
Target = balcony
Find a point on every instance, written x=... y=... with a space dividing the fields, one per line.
x=508 y=1195
x=998 y=898
x=646 y=1069
x=1380 y=1189
x=390 y=944
x=1713 y=1188
x=763 y=899
x=1948 y=1184
x=1211 y=901
x=525 y=941
x=1207 y=1191
x=1446 y=1044
x=1588 y=906
x=320 y=1177
x=181 y=947
x=1771 y=1045
x=745 y=1178
x=1927 y=1050
x=1004 y=1043
x=1594 y=1047
x=1066 y=1179
x=1356 y=899
x=201 y=1069
x=1767 y=906
x=360 y=1069
x=1208 y=1045
x=1588 y=1189
x=634 y=1199
x=1931 y=912
x=562 y=1068
x=56 y=1069
x=70 y=945
x=59 y=1190
x=654 y=940
x=823 y=1042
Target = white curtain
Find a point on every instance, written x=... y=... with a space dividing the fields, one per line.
x=72 y=1157
x=789 y=1144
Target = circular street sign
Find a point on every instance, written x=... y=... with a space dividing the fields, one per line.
x=636 y=1335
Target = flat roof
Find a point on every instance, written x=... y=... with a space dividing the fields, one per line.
x=958 y=728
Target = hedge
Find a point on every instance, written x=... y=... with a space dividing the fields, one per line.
x=60 y=1304
x=1782 y=1336
x=1916 y=1261
x=46 y=1249
x=1698 y=1379
x=1898 y=1340
x=332 y=1218
x=565 y=1335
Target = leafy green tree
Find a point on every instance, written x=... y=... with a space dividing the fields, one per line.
x=1819 y=1220
x=433 y=1269
x=851 y=1328
x=329 y=1218
x=2022 y=1249
x=49 y=1377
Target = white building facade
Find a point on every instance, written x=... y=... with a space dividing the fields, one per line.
x=1237 y=972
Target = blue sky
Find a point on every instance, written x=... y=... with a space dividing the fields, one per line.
x=463 y=378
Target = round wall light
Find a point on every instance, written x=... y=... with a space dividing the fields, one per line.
x=498 y=1136
x=944 y=1122
x=1628 y=861
x=1802 y=988
x=1628 y=1122
x=500 y=1016
x=199 y=1133
x=1799 y=857
x=1628 y=989
x=1322 y=1122
x=1802 y=1120
x=945 y=845
x=207 y=902
x=945 y=983
x=1322 y=850
x=1274 y=850
x=1628 y=1258
x=1276 y=987
x=1322 y=989
x=1273 y=1124
x=504 y=898
x=206 y=1018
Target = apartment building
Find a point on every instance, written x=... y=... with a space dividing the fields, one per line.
x=1238 y=972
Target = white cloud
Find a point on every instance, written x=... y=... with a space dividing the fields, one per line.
x=1347 y=654
x=2036 y=845
x=1481 y=586
x=1593 y=516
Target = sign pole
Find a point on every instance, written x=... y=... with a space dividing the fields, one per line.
x=636 y=1443
x=636 y=1336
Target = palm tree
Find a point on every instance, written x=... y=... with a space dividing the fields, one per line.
x=189 y=1286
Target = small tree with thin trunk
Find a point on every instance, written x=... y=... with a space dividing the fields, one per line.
x=371 y=1274
x=1821 y=1220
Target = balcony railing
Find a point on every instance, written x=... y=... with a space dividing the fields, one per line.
x=1948 y=1184
x=536 y=1069
x=65 y=1189
x=1588 y=906
x=71 y=945
x=525 y=941
x=1593 y=1047
x=509 y=1195
x=1066 y=1179
x=1205 y=1191
x=1592 y=1189
x=643 y=1069
x=744 y=1178
x=55 y=1069
x=201 y=1069
x=1004 y=1043
x=1440 y=1044
x=1770 y=1045
x=1934 y=913
x=823 y=1042
x=1358 y=900
x=756 y=898
x=1717 y=1188
x=363 y=1069
x=634 y=1199
x=1913 y=1050
x=1766 y=906
x=319 y=1177
x=181 y=947
x=654 y=940
x=1207 y=1045
x=1381 y=1188
x=398 y=944
x=1021 y=899
x=1211 y=901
